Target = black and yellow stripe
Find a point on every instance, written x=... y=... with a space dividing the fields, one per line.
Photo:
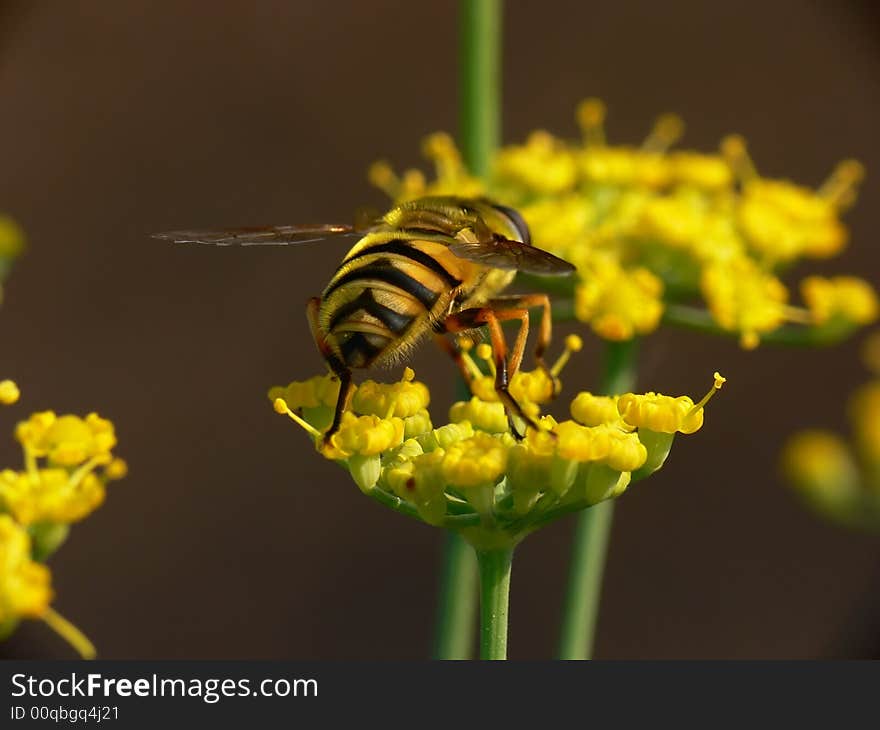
x=382 y=288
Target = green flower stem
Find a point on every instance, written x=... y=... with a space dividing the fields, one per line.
x=70 y=633
x=593 y=530
x=494 y=599
x=480 y=82
x=457 y=603
x=480 y=127
x=401 y=506
x=700 y=320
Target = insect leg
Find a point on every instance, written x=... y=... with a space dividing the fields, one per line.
x=451 y=349
x=527 y=301
x=469 y=319
x=336 y=365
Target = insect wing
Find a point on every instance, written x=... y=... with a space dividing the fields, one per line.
x=505 y=254
x=260 y=235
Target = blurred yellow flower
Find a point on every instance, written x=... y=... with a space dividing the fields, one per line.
x=745 y=299
x=848 y=297
x=648 y=226
x=25 y=585
x=11 y=238
x=50 y=495
x=9 y=392
x=67 y=440
x=619 y=303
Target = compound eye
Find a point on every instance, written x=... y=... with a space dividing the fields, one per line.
x=518 y=222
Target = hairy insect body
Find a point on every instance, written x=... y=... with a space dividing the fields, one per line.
x=392 y=289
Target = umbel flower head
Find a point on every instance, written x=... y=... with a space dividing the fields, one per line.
x=472 y=474
x=68 y=461
x=840 y=478
x=660 y=234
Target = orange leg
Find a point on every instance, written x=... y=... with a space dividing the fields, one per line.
x=505 y=367
x=451 y=349
x=527 y=301
x=336 y=365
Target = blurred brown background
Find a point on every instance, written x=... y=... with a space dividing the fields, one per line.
x=230 y=538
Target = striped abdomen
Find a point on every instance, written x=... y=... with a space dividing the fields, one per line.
x=383 y=296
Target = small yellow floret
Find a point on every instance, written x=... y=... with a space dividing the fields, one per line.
x=486 y=416
x=593 y=410
x=403 y=399
x=475 y=462
x=663 y=413
x=364 y=436
x=609 y=445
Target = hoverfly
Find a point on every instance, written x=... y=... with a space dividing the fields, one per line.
x=434 y=265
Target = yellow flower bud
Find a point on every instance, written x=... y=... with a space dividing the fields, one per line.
x=116 y=469
x=364 y=436
x=9 y=392
x=417 y=424
x=445 y=436
x=420 y=481
x=320 y=390
x=474 y=462
x=663 y=413
x=607 y=444
x=402 y=399
x=489 y=417
x=593 y=410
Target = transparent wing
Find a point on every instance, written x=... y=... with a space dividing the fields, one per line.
x=504 y=254
x=261 y=235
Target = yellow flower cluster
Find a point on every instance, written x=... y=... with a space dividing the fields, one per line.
x=25 y=585
x=649 y=227
x=840 y=478
x=67 y=462
x=474 y=474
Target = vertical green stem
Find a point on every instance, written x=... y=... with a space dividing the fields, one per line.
x=480 y=122
x=593 y=531
x=494 y=599
x=480 y=82
x=457 y=605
